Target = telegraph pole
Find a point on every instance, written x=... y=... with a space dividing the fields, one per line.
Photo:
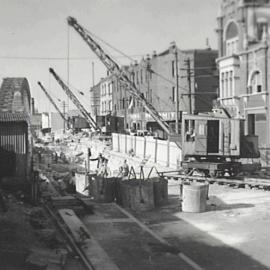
x=64 y=112
x=189 y=85
x=176 y=93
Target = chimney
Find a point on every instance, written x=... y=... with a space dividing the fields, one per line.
x=172 y=47
x=172 y=44
x=208 y=47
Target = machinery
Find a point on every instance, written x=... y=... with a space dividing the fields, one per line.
x=214 y=143
x=53 y=103
x=115 y=69
x=76 y=102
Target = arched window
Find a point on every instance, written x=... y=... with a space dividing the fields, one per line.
x=231 y=38
x=255 y=82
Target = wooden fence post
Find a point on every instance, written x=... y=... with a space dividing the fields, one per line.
x=168 y=153
x=156 y=146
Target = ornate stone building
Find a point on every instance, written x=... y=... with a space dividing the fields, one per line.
x=243 y=41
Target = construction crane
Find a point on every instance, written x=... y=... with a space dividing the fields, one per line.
x=115 y=69
x=75 y=101
x=53 y=103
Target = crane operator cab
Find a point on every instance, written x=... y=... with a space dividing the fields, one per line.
x=214 y=143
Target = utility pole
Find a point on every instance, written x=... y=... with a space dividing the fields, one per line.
x=189 y=84
x=176 y=93
x=148 y=77
x=68 y=49
x=64 y=112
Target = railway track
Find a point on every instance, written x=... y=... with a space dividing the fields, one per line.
x=64 y=230
x=241 y=182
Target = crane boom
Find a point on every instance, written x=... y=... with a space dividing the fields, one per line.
x=114 y=68
x=75 y=100
x=53 y=103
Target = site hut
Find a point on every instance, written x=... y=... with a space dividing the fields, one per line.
x=15 y=130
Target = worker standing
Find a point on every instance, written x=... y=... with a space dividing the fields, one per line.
x=124 y=169
x=100 y=160
x=104 y=172
x=71 y=185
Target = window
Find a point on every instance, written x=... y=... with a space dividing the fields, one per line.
x=190 y=130
x=137 y=77
x=110 y=105
x=222 y=84
x=231 y=84
x=226 y=84
x=173 y=69
x=141 y=76
x=173 y=94
x=261 y=28
x=255 y=82
x=251 y=124
x=232 y=39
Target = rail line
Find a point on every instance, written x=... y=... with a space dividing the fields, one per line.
x=76 y=248
x=243 y=182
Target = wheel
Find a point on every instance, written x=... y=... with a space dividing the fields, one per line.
x=234 y=172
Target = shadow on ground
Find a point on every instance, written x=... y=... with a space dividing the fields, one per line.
x=206 y=250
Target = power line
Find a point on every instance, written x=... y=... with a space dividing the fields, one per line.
x=47 y=58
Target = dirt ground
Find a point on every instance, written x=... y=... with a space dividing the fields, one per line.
x=232 y=234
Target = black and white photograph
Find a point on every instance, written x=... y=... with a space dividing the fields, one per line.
x=134 y=135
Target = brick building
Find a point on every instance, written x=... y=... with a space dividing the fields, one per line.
x=95 y=100
x=243 y=38
x=156 y=77
x=106 y=89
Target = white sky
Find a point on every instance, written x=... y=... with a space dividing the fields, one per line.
x=38 y=29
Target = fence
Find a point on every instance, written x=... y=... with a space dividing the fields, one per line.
x=165 y=153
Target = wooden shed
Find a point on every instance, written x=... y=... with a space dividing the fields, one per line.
x=15 y=129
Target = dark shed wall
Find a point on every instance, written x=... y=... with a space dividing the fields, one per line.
x=13 y=149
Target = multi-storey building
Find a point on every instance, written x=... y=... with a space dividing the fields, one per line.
x=191 y=74
x=106 y=90
x=243 y=38
x=95 y=100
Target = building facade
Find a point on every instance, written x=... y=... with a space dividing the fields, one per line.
x=106 y=90
x=191 y=75
x=95 y=100
x=243 y=38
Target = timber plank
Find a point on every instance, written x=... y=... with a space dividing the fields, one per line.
x=90 y=247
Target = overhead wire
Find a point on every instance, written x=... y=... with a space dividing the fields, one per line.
x=151 y=70
x=47 y=58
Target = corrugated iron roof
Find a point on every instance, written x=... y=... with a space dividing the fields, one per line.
x=14 y=117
